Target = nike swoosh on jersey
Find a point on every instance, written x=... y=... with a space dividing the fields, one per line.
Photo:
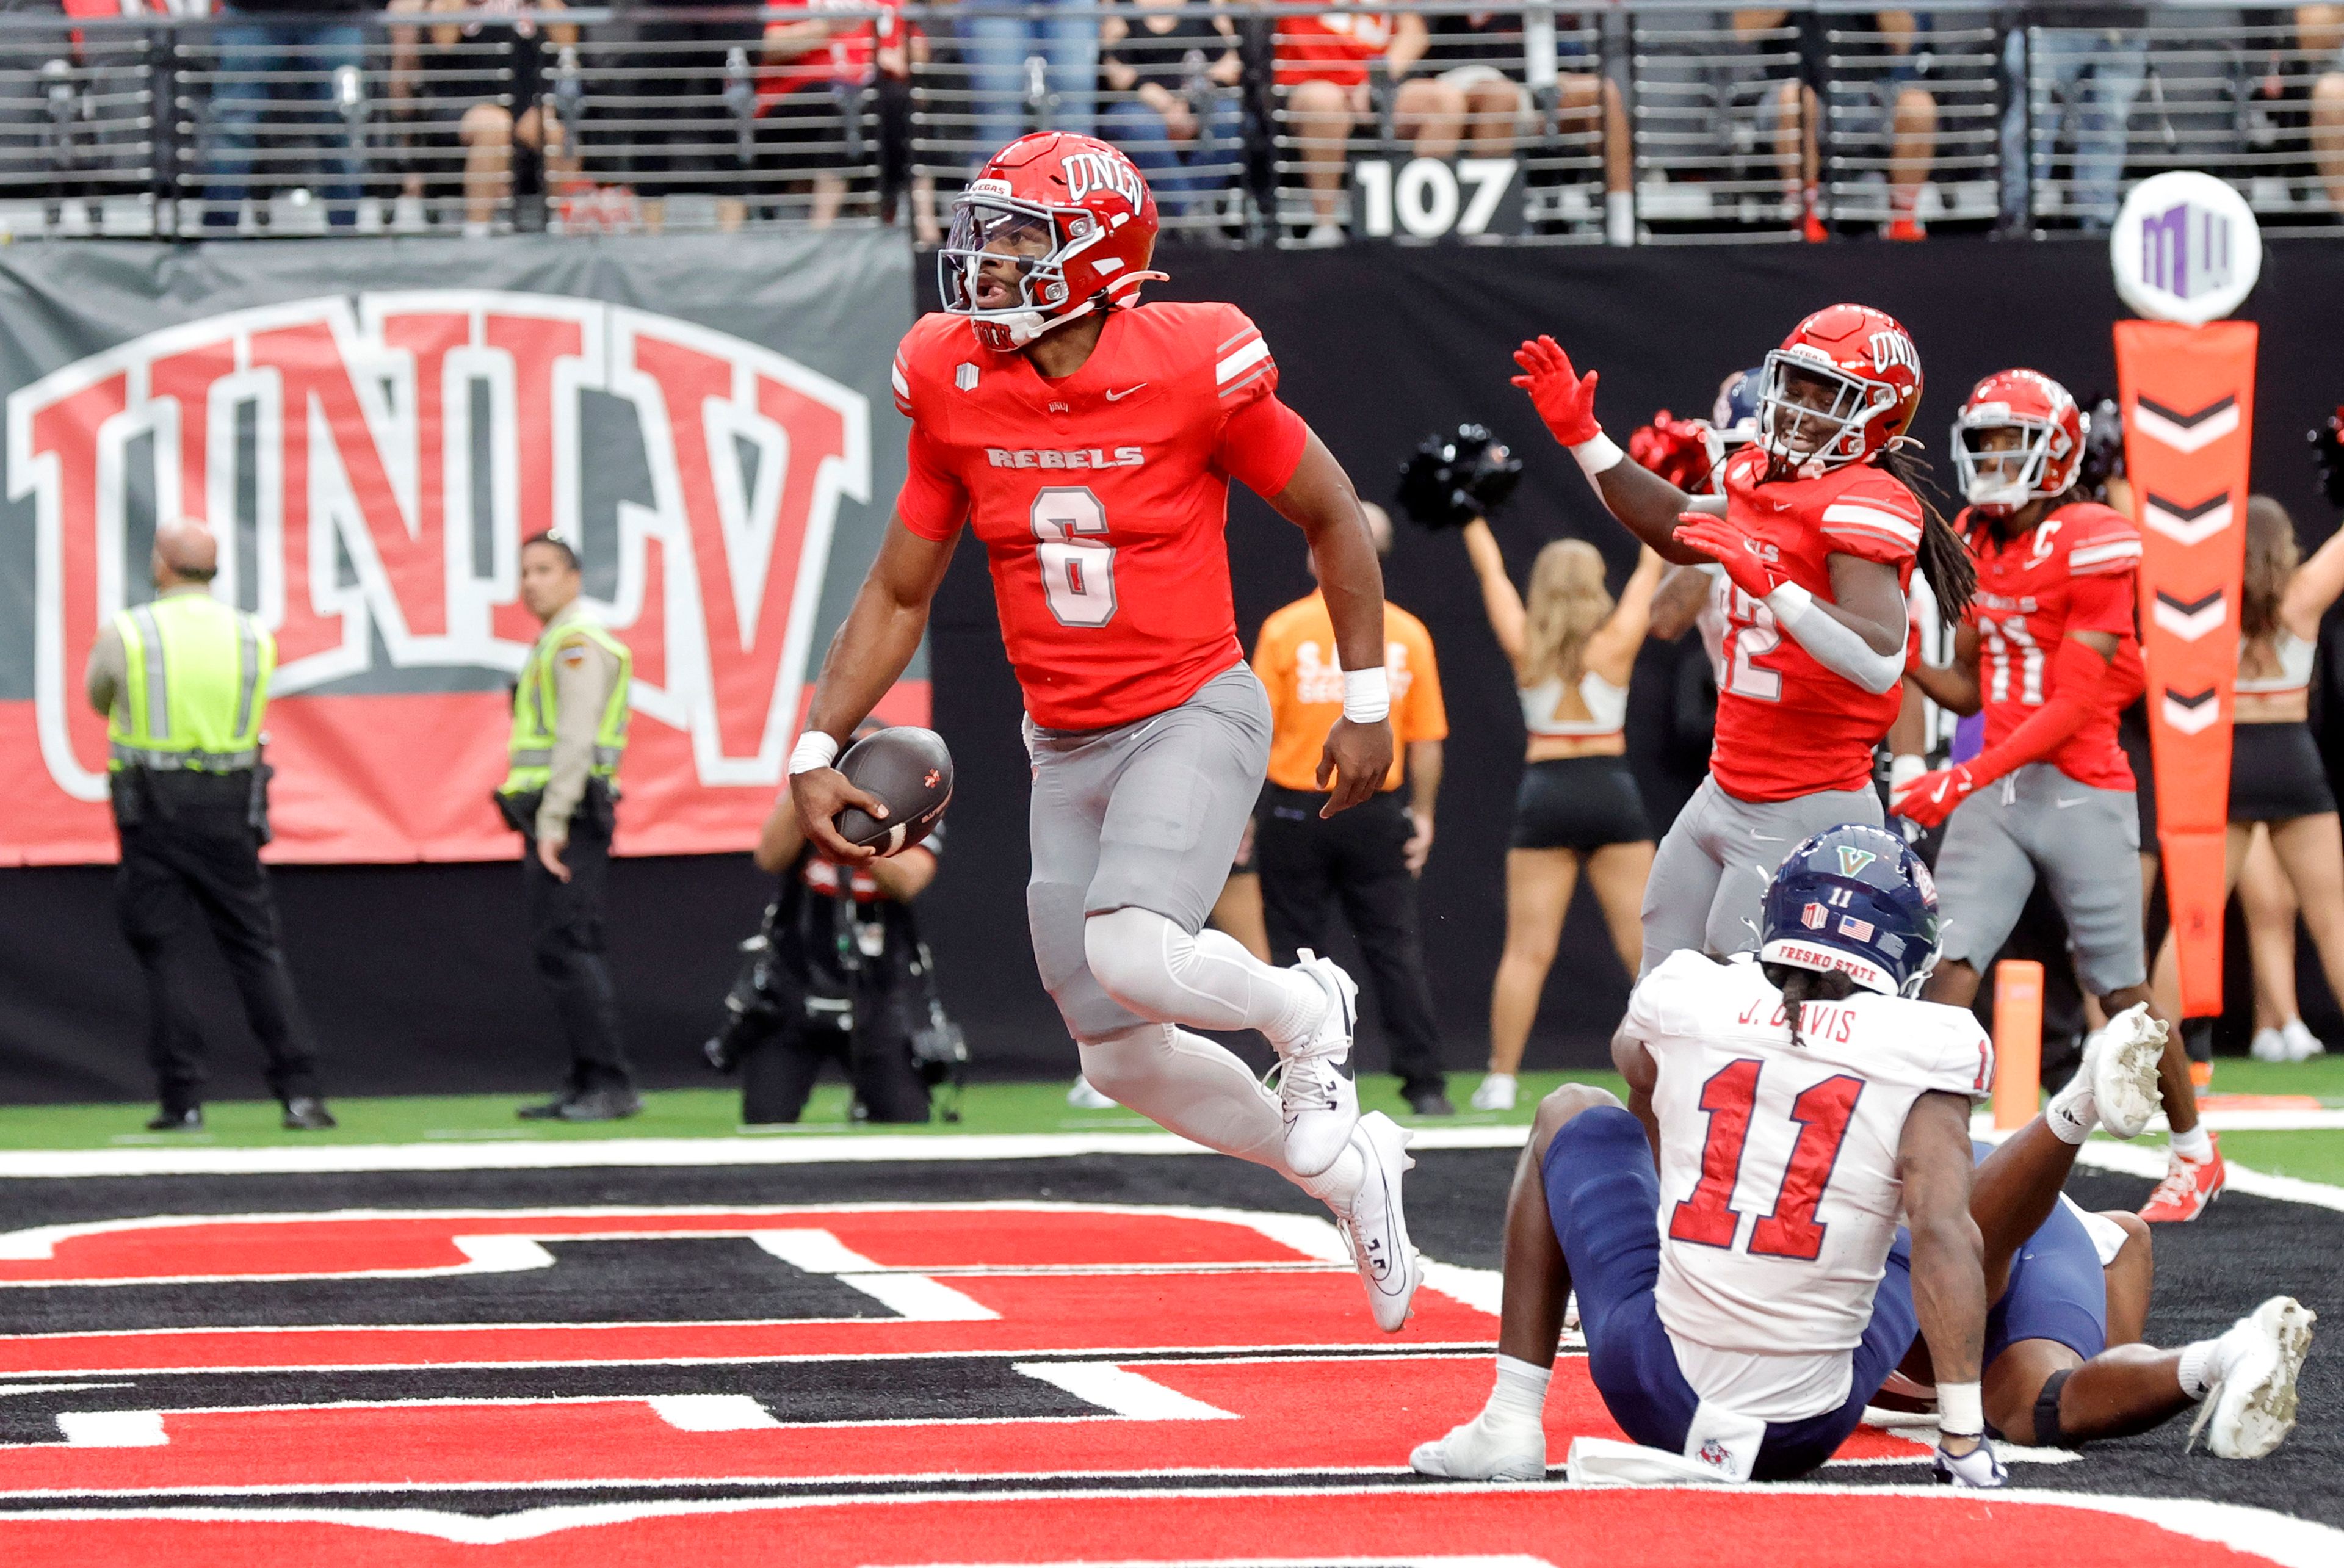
x=1114 y=397
x=2064 y=804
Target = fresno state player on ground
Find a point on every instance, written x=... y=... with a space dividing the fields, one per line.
x=1733 y=1299
x=2065 y=1361
x=1818 y=538
x=1089 y=442
x=2049 y=649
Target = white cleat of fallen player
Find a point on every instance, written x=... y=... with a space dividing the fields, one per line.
x=1374 y=1225
x=1316 y=1097
x=2123 y=1060
x=2250 y=1402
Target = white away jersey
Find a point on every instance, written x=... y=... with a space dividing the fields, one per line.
x=1779 y=1192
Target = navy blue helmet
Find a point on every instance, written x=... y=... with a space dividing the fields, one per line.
x=1734 y=416
x=1855 y=899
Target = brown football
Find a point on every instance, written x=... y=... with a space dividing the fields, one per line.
x=909 y=768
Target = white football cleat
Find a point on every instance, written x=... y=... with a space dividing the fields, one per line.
x=2123 y=1060
x=1081 y=1097
x=1375 y=1226
x=1316 y=1097
x=1496 y=1093
x=1485 y=1450
x=2250 y=1409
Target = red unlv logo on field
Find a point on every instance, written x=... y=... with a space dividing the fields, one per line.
x=372 y=463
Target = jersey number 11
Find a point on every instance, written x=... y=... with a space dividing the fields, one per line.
x=1790 y=1229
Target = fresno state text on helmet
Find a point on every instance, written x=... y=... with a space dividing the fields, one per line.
x=1073 y=458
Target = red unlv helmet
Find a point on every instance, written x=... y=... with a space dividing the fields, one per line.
x=1056 y=225
x=1844 y=385
x=2000 y=480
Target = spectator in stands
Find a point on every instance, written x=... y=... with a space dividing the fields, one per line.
x=1322 y=62
x=1000 y=46
x=307 y=45
x=450 y=63
x=2093 y=68
x=1180 y=72
x=822 y=71
x=1484 y=55
x=1875 y=103
x=2320 y=29
x=682 y=119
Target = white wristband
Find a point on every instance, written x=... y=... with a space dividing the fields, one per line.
x=1791 y=604
x=1961 y=1409
x=813 y=750
x=1595 y=456
x=1903 y=768
x=1367 y=695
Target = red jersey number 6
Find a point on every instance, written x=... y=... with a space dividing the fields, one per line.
x=1078 y=572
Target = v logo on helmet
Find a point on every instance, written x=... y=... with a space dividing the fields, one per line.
x=1853 y=860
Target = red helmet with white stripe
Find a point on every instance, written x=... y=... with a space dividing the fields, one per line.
x=2001 y=474
x=1844 y=385
x=1055 y=227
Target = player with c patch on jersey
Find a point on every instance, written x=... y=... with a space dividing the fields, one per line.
x=1740 y=1300
x=1818 y=537
x=2049 y=649
x=1089 y=442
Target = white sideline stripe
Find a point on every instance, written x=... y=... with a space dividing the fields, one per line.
x=1120 y=1390
x=113 y=1428
x=2253 y=1531
x=298 y=1160
x=711 y=1412
x=914 y=1297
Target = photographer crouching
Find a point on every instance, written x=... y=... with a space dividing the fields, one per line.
x=838 y=972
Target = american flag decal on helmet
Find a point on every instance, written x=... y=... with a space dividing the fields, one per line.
x=1849 y=926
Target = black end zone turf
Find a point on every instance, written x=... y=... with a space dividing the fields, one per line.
x=2209 y=1274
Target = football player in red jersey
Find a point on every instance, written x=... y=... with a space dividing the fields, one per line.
x=2049 y=649
x=1818 y=536
x=1089 y=442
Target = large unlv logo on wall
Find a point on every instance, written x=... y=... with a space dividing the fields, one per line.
x=346 y=435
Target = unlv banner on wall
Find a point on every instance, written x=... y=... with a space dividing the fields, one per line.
x=371 y=428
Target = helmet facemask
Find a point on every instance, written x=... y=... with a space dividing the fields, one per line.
x=1004 y=264
x=1998 y=481
x=1811 y=414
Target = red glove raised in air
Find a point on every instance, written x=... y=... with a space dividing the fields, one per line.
x=1564 y=399
x=1716 y=538
x=1673 y=449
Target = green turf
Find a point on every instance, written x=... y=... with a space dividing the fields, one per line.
x=2322 y=1078
x=673 y=1113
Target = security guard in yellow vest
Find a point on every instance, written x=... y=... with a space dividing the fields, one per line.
x=183 y=682
x=569 y=731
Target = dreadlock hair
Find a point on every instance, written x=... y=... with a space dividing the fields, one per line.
x=1945 y=560
x=1800 y=987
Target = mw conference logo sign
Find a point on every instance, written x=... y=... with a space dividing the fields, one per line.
x=2186 y=248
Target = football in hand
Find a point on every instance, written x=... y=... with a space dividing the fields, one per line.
x=908 y=768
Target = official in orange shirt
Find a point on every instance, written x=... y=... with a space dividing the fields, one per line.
x=1367 y=858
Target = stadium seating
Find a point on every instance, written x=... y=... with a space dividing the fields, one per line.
x=112 y=124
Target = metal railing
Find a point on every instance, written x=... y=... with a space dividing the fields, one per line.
x=1654 y=121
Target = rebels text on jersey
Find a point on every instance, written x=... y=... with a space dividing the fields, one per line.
x=2073 y=572
x=1102 y=497
x=1787 y=726
x=1779 y=1188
